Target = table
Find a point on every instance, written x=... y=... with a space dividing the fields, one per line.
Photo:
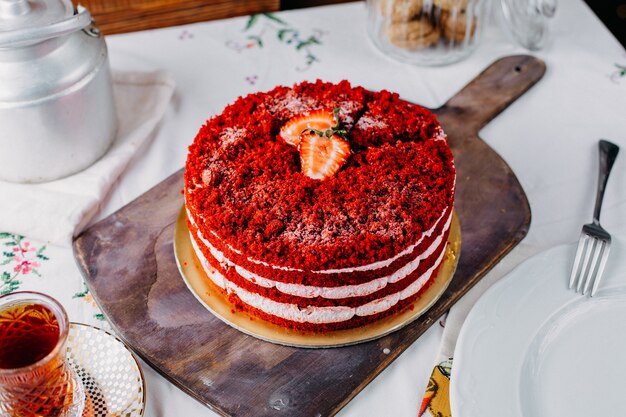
x=549 y=138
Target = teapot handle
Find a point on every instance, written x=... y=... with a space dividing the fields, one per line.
x=78 y=21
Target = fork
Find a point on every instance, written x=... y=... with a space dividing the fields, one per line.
x=594 y=243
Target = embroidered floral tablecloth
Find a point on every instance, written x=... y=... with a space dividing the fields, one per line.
x=548 y=137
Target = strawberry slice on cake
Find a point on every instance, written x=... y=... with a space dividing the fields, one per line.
x=321 y=140
x=321 y=156
x=319 y=120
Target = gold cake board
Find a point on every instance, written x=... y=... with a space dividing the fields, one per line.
x=213 y=299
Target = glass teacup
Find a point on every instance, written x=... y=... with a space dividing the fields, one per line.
x=35 y=378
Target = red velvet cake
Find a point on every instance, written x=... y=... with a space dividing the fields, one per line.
x=321 y=206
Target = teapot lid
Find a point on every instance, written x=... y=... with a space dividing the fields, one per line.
x=24 y=14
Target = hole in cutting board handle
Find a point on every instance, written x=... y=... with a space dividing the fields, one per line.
x=518 y=69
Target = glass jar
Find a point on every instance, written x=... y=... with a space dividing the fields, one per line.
x=426 y=32
x=527 y=21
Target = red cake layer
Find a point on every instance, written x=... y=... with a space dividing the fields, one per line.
x=275 y=294
x=323 y=279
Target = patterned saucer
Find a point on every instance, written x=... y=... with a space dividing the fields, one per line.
x=111 y=376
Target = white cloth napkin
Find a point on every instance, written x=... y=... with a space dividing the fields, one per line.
x=56 y=211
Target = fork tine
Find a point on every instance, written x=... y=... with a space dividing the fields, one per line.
x=605 y=257
x=590 y=276
x=589 y=248
x=577 y=258
x=594 y=241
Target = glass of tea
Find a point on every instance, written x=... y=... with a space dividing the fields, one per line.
x=35 y=378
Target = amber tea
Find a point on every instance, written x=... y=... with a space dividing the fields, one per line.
x=35 y=378
x=28 y=333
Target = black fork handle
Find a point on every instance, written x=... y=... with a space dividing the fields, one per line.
x=608 y=153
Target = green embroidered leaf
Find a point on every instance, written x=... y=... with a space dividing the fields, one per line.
x=11 y=243
x=10 y=287
x=4 y=235
x=270 y=16
x=310 y=59
x=311 y=41
x=42 y=257
x=283 y=32
x=6 y=276
x=99 y=316
x=81 y=294
x=257 y=40
x=251 y=21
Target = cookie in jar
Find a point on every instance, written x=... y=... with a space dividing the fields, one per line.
x=425 y=32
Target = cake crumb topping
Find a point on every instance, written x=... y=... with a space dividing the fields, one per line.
x=230 y=136
x=369 y=122
x=292 y=104
x=394 y=186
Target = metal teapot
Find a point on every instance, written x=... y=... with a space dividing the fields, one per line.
x=57 y=114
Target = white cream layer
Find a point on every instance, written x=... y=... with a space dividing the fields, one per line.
x=312 y=314
x=333 y=293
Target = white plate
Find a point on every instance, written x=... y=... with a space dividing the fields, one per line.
x=531 y=347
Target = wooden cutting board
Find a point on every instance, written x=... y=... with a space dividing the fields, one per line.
x=128 y=263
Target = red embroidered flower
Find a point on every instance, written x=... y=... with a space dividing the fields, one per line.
x=24 y=248
x=24 y=266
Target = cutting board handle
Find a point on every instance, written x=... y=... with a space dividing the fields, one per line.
x=490 y=93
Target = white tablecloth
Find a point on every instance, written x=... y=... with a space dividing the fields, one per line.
x=549 y=138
